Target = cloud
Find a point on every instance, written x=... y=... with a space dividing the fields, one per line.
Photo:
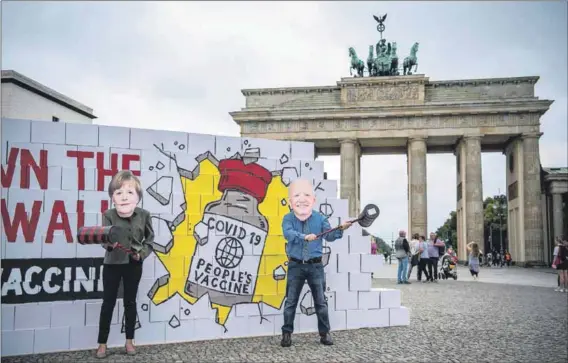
x=181 y=66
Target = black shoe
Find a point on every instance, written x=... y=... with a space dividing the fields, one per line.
x=325 y=339
x=286 y=340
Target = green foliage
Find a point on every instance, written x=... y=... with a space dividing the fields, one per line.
x=382 y=246
x=448 y=231
x=494 y=218
x=495 y=221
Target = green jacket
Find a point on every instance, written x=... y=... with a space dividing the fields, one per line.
x=140 y=236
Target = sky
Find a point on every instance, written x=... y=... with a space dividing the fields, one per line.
x=181 y=65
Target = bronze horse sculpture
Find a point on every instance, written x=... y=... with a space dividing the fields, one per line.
x=356 y=63
x=411 y=61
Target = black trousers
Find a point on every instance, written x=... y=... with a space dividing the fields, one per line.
x=422 y=264
x=413 y=262
x=433 y=268
x=130 y=275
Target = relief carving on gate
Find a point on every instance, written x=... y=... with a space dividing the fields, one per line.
x=382 y=93
x=386 y=123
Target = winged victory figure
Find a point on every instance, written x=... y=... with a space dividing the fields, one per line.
x=380 y=20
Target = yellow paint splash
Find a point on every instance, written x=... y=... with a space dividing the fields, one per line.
x=198 y=193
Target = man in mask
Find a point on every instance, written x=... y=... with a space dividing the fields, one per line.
x=304 y=250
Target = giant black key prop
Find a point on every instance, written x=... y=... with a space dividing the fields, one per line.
x=365 y=219
x=101 y=235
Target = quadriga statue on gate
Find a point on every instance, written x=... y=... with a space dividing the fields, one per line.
x=386 y=61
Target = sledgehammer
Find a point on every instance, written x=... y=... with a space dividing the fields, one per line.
x=101 y=235
x=365 y=219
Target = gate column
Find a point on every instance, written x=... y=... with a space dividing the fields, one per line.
x=417 y=198
x=470 y=195
x=534 y=242
x=350 y=153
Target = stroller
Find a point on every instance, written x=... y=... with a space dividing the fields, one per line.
x=447 y=266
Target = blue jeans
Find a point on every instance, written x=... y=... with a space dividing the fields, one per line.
x=402 y=274
x=297 y=274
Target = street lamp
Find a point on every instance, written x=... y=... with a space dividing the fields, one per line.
x=501 y=229
x=498 y=208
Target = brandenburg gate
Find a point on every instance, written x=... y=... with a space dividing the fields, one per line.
x=391 y=113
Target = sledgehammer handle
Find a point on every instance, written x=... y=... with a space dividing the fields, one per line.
x=336 y=228
x=130 y=252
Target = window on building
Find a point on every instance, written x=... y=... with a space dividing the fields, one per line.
x=55 y=119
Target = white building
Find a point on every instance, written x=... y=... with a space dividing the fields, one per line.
x=24 y=98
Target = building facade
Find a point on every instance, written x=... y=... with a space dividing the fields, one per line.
x=23 y=98
x=555 y=206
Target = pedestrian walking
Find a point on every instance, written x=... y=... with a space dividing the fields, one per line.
x=473 y=250
x=424 y=260
x=561 y=264
x=434 y=246
x=507 y=258
x=402 y=251
x=414 y=253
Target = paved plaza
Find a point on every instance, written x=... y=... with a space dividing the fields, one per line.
x=510 y=315
x=542 y=277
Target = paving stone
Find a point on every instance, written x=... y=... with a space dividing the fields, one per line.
x=452 y=321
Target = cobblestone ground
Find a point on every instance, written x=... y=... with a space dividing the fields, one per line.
x=452 y=321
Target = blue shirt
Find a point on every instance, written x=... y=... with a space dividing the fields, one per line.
x=424 y=253
x=296 y=230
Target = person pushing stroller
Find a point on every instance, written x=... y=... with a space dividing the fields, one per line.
x=447 y=266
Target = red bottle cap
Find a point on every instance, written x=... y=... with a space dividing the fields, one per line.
x=252 y=179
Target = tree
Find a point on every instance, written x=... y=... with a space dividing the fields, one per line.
x=494 y=224
x=449 y=230
x=382 y=246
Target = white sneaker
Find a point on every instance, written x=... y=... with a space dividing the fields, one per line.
x=558 y=289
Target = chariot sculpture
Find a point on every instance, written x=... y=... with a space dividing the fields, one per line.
x=383 y=59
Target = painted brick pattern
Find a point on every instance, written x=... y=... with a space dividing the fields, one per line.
x=54 y=180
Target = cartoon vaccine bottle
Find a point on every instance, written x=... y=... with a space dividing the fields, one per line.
x=231 y=236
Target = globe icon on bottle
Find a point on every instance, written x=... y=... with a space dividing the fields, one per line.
x=229 y=252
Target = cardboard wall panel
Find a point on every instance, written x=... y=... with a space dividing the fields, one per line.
x=206 y=251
